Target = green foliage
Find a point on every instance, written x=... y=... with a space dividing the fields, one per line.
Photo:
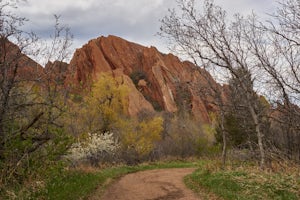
x=244 y=184
x=69 y=185
x=238 y=121
x=236 y=134
x=240 y=130
x=34 y=139
x=206 y=149
x=20 y=166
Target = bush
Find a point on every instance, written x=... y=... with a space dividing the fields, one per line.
x=94 y=148
x=23 y=173
x=136 y=76
x=205 y=148
x=139 y=138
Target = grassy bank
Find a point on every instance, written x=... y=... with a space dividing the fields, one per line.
x=244 y=182
x=79 y=184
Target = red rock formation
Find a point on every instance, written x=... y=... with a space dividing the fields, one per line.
x=154 y=78
x=11 y=59
x=56 y=71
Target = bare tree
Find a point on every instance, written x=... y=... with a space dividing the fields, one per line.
x=29 y=106
x=207 y=38
x=276 y=48
x=11 y=58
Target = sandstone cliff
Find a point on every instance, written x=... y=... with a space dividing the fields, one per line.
x=157 y=81
x=13 y=59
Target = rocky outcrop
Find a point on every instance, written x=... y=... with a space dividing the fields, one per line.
x=156 y=81
x=17 y=65
x=56 y=72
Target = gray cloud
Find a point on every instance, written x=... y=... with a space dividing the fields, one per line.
x=135 y=20
x=261 y=7
x=132 y=19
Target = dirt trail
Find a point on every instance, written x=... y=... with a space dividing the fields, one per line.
x=161 y=184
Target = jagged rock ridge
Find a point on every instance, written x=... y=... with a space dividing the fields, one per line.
x=157 y=81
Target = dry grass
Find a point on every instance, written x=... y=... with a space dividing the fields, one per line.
x=247 y=180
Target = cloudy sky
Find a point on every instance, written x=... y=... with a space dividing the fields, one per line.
x=134 y=20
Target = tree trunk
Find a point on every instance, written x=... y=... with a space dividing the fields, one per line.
x=259 y=137
x=3 y=110
x=224 y=148
x=2 y=137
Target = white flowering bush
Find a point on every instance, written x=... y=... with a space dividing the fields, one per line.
x=94 y=148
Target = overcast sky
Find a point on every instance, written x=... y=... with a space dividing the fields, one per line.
x=134 y=20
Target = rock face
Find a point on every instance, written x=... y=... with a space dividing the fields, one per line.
x=156 y=81
x=13 y=59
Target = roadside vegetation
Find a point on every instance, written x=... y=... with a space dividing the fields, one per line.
x=245 y=181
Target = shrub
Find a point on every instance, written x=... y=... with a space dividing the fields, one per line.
x=137 y=75
x=94 y=148
x=139 y=138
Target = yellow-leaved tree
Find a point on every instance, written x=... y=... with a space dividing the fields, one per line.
x=105 y=104
x=141 y=136
x=100 y=110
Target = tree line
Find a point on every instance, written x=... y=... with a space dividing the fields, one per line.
x=253 y=57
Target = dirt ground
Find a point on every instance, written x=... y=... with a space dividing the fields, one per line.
x=162 y=184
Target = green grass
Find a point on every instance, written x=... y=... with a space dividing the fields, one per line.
x=80 y=184
x=244 y=184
